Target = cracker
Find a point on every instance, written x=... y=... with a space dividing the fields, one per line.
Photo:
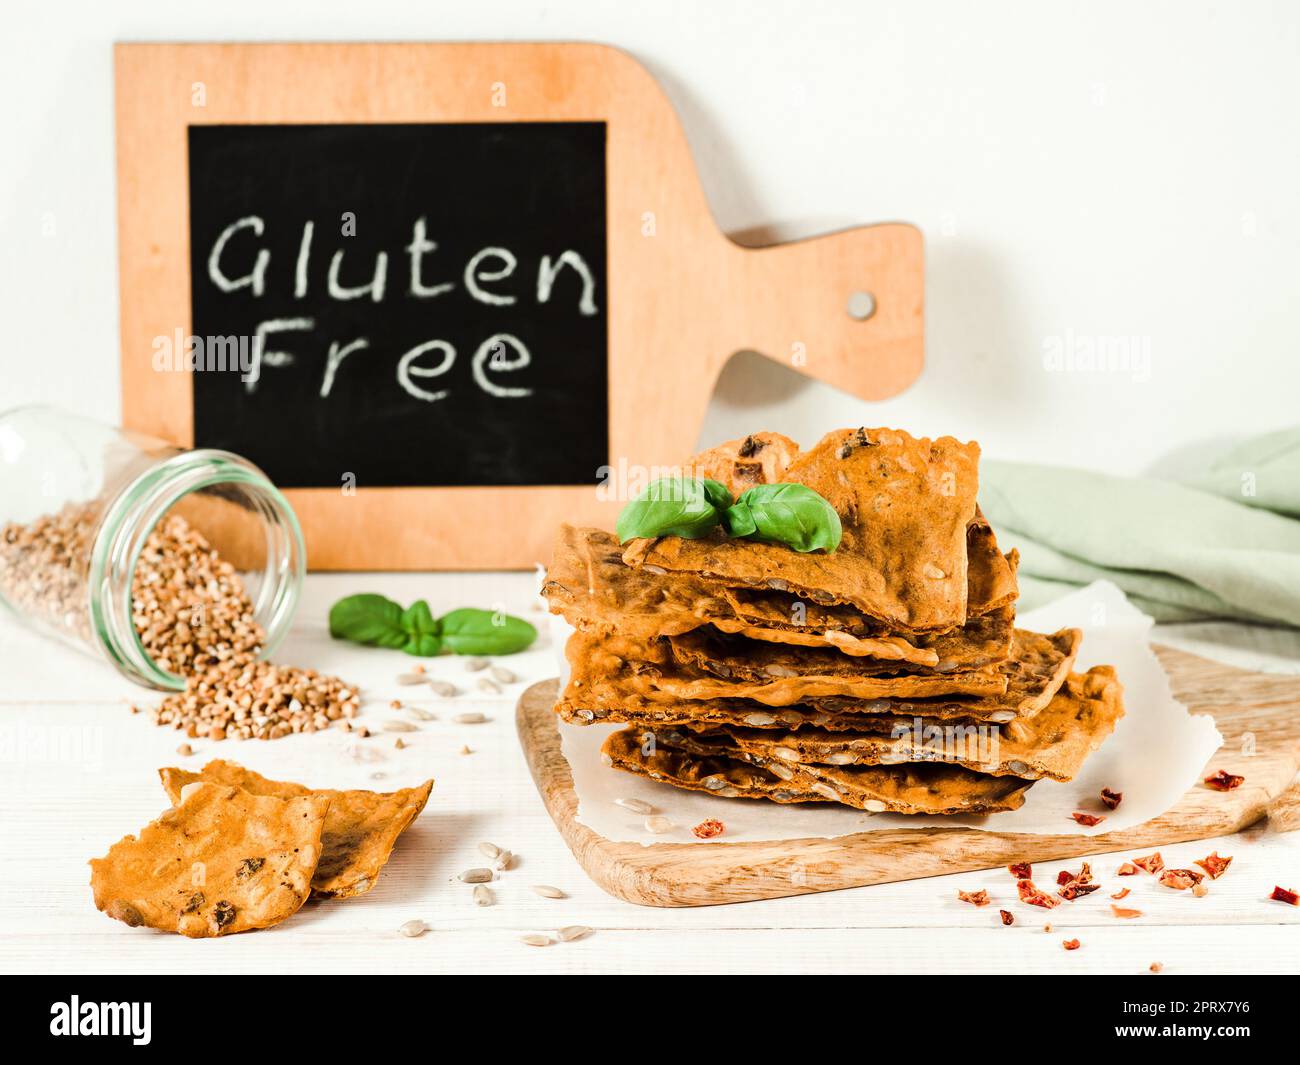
x=710 y=649
x=218 y=862
x=605 y=687
x=904 y=505
x=361 y=827
x=648 y=667
x=913 y=789
x=589 y=585
x=760 y=458
x=1053 y=743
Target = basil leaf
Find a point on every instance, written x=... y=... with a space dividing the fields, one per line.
x=671 y=506
x=470 y=631
x=789 y=514
x=716 y=493
x=422 y=630
x=368 y=618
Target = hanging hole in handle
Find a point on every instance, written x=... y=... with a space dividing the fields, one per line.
x=862 y=305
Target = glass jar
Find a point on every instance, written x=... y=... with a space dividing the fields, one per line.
x=79 y=499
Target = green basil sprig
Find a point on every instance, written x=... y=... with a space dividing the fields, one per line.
x=690 y=507
x=789 y=514
x=379 y=622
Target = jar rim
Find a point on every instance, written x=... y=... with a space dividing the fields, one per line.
x=133 y=513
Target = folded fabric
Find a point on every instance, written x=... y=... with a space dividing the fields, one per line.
x=1179 y=551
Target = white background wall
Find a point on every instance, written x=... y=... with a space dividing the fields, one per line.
x=1079 y=170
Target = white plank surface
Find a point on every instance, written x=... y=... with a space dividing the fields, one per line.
x=77 y=772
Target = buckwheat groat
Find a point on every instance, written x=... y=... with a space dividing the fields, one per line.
x=360 y=831
x=221 y=861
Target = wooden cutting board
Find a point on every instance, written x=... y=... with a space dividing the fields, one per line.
x=227 y=152
x=1248 y=707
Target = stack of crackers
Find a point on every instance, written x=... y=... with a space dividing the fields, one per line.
x=887 y=675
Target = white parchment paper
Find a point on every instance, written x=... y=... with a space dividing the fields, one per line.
x=1153 y=757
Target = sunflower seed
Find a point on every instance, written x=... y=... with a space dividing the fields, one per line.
x=933 y=572
x=489 y=850
x=548 y=892
x=574 y=931
x=788 y=753
x=488 y=685
x=420 y=714
x=473 y=665
x=825 y=791
x=760 y=720
x=413 y=928
x=472 y=718
x=407 y=679
x=635 y=805
x=657 y=824
x=875 y=806
x=399 y=726
x=503 y=861
x=502 y=675
x=476 y=876
x=483 y=895
x=535 y=940
x=444 y=688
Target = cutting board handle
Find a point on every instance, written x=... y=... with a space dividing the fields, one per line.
x=846 y=308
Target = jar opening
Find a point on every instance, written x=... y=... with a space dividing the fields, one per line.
x=241 y=517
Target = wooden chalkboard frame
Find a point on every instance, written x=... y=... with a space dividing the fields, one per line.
x=682 y=297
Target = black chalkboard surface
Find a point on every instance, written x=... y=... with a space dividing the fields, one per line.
x=414 y=304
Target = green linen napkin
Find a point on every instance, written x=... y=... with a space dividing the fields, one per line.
x=1223 y=545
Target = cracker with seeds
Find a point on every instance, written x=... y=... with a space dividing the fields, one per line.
x=360 y=831
x=904 y=504
x=220 y=861
x=912 y=789
x=1052 y=744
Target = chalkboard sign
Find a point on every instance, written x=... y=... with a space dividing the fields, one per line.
x=413 y=304
x=549 y=184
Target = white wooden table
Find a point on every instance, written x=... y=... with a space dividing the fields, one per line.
x=77 y=772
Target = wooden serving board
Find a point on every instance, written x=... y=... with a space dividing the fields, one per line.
x=1244 y=705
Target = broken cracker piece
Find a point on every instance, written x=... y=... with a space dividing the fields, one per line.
x=361 y=827
x=220 y=861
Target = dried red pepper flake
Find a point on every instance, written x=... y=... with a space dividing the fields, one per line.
x=1224 y=781
x=708 y=829
x=1122 y=893
x=1087 y=820
x=1076 y=885
x=975 y=898
x=1281 y=894
x=1214 y=865
x=1111 y=799
x=1180 y=879
x=1152 y=863
x=1121 y=911
x=1070 y=944
x=1007 y=916
x=1021 y=870
x=1127 y=869
x=1031 y=895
